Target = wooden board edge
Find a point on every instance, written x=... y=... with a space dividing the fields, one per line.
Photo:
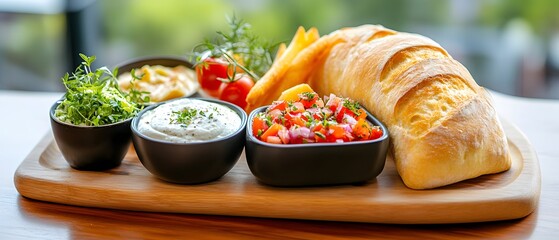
x=530 y=177
x=31 y=161
x=26 y=185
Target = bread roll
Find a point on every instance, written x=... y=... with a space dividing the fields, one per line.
x=442 y=125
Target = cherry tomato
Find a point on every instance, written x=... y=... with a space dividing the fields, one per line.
x=236 y=91
x=208 y=71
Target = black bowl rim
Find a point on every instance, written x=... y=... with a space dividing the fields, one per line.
x=145 y=60
x=385 y=134
x=57 y=102
x=233 y=107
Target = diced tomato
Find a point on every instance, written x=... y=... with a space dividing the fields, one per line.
x=294 y=119
x=333 y=102
x=348 y=137
x=258 y=125
x=298 y=121
x=321 y=135
x=317 y=127
x=288 y=116
x=280 y=105
x=345 y=111
x=317 y=116
x=332 y=108
x=298 y=140
x=337 y=131
x=275 y=114
x=297 y=107
x=340 y=114
x=376 y=132
x=310 y=120
x=273 y=139
x=351 y=113
x=340 y=117
x=362 y=130
x=308 y=99
x=362 y=113
x=331 y=138
x=272 y=131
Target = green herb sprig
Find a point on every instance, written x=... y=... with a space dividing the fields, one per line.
x=135 y=95
x=186 y=116
x=93 y=97
x=352 y=106
x=240 y=48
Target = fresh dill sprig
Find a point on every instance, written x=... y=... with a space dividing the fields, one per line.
x=240 y=48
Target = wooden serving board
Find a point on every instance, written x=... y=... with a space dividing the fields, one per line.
x=45 y=175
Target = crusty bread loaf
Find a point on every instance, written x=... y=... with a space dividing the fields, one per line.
x=442 y=125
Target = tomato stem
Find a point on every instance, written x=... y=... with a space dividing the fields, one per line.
x=235 y=64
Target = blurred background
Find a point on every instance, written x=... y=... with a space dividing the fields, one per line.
x=510 y=46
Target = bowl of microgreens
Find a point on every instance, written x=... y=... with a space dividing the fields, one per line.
x=91 y=123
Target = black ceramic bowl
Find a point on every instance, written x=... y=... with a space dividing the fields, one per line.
x=190 y=163
x=314 y=164
x=91 y=147
x=168 y=61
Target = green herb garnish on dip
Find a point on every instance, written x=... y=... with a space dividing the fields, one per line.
x=93 y=98
x=189 y=120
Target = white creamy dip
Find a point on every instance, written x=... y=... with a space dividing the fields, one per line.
x=189 y=120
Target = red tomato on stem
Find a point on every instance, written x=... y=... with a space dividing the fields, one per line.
x=208 y=73
x=236 y=91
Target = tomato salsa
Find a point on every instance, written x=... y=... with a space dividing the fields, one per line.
x=311 y=119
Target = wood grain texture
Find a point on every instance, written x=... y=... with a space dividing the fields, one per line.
x=70 y=222
x=44 y=175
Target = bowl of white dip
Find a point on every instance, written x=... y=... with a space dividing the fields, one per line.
x=189 y=140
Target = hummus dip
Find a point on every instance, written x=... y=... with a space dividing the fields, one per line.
x=162 y=83
x=189 y=120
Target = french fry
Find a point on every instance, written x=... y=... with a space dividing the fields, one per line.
x=281 y=50
x=270 y=86
x=300 y=41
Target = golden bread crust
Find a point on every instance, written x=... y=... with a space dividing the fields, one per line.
x=442 y=124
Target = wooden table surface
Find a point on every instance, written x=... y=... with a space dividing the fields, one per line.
x=25 y=121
